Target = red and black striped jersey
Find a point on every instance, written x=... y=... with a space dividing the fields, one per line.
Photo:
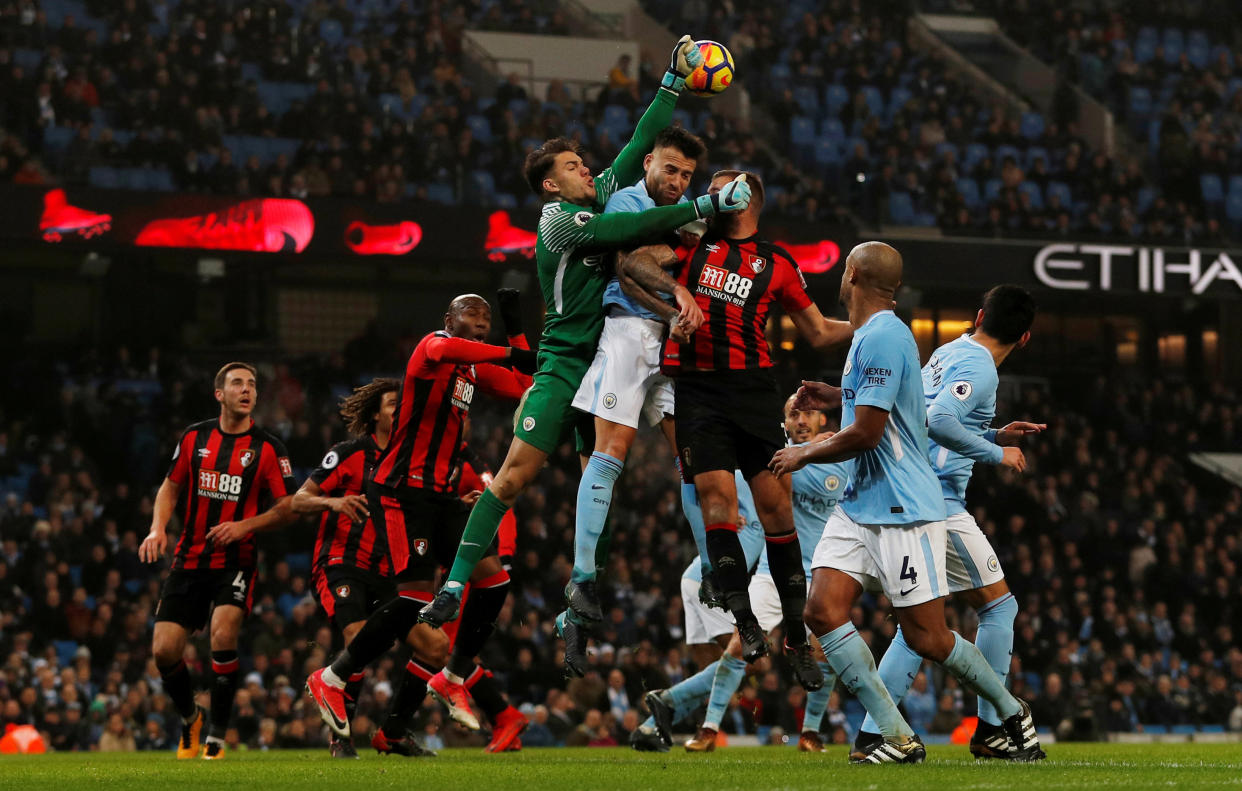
x=473 y=475
x=225 y=478
x=439 y=385
x=341 y=541
x=734 y=282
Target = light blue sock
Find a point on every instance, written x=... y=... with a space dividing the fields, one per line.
x=897 y=670
x=689 y=694
x=970 y=668
x=817 y=701
x=855 y=666
x=594 y=499
x=694 y=515
x=729 y=672
x=995 y=641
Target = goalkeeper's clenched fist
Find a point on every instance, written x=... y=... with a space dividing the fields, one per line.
x=685 y=59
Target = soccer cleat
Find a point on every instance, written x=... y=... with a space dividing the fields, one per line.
x=190 y=745
x=443 y=608
x=990 y=741
x=341 y=748
x=574 y=635
x=805 y=668
x=262 y=225
x=60 y=219
x=662 y=712
x=331 y=703
x=506 y=729
x=455 y=698
x=645 y=741
x=703 y=742
x=214 y=750
x=515 y=747
x=1023 y=743
x=865 y=741
x=809 y=742
x=397 y=239
x=754 y=641
x=710 y=595
x=888 y=751
x=583 y=599
x=406 y=746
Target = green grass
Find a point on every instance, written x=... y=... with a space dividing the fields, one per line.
x=751 y=768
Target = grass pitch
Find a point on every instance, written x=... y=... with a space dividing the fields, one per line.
x=748 y=768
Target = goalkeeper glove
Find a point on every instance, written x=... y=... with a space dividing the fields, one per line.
x=734 y=197
x=510 y=302
x=523 y=360
x=685 y=59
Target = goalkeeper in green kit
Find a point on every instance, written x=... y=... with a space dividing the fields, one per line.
x=575 y=240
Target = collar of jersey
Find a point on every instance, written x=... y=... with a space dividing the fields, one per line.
x=876 y=315
x=238 y=434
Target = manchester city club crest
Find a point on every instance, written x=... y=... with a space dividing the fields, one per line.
x=610 y=400
x=831 y=483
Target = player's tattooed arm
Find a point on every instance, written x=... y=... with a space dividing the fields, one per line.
x=643 y=272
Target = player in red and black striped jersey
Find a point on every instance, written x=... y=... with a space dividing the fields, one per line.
x=726 y=395
x=242 y=483
x=412 y=491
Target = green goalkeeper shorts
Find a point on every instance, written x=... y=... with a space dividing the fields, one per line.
x=546 y=414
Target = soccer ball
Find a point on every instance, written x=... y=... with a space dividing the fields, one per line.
x=716 y=72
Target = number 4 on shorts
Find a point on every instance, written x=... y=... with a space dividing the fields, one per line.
x=908 y=572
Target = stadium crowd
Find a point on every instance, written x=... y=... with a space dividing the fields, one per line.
x=1123 y=556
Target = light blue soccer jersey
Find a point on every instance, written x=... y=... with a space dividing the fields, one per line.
x=893 y=484
x=632 y=199
x=751 y=536
x=959 y=383
x=817 y=488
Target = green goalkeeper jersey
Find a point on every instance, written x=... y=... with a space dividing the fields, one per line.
x=575 y=241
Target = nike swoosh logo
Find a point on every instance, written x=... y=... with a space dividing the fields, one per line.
x=597 y=486
x=907 y=593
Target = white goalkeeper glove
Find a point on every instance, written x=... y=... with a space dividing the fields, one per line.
x=735 y=196
x=685 y=59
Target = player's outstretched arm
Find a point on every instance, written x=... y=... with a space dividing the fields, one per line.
x=156 y=542
x=819 y=331
x=280 y=514
x=310 y=499
x=466 y=352
x=862 y=435
x=644 y=272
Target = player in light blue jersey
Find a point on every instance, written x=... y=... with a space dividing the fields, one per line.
x=816 y=490
x=624 y=388
x=959 y=385
x=708 y=630
x=889 y=530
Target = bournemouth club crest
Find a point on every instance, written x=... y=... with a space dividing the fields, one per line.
x=756 y=263
x=245 y=457
x=420 y=546
x=342 y=592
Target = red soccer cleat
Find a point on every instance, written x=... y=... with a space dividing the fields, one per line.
x=503 y=238
x=60 y=219
x=397 y=239
x=506 y=729
x=516 y=747
x=261 y=225
x=331 y=703
x=455 y=697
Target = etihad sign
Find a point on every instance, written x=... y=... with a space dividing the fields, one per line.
x=1107 y=267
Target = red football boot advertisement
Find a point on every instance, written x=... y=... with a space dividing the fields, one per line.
x=263 y=225
x=61 y=219
x=814 y=258
x=396 y=239
x=505 y=239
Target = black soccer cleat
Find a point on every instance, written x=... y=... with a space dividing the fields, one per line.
x=342 y=748
x=574 y=635
x=754 y=641
x=647 y=742
x=406 y=745
x=864 y=742
x=990 y=741
x=662 y=712
x=888 y=751
x=583 y=599
x=805 y=668
x=1023 y=743
x=442 y=609
x=710 y=594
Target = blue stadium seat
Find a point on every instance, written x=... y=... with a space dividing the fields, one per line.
x=57 y=138
x=991 y=189
x=802 y=131
x=1211 y=189
x=683 y=119
x=901 y=208
x=1233 y=207
x=521 y=109
x=826 y=152
x=1222 y=49
x=1145 y=49
x=975 y=153
x=835 y=97
x=1198 y=49
x=331 y=32
x=779 y=74
x=1032 y=126
x=875 y=100
x=482 y=186
x=808 y=100
x=1008 y=151
x=480 y=127
x=1156 y=730
x=969 y=190
x=615 y=115
x=1174 y=43
x=897 y=100
x=946 y=147
x=103 y=177
x=161 y=180
x=1037 y=152
x=1062 y=191
x=28 y=59
x=65 y=650
x=1182 y=730
x=1235 y=184
x=1031 y=189
x=855 y=142
x=832 y=129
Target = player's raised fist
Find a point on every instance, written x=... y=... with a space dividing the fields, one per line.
x=686 y=57
x=732 y=197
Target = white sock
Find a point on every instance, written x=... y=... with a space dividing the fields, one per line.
x=332 y=679
x=453 y=677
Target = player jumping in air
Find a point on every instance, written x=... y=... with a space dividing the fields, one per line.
x=726 y=395
x=241 y=483
x=890 y=526
x=959 y=383
x=413 y=493
x=574 y=240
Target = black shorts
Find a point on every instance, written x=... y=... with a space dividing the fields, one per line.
x=349 y=595
x=189 y=595
x=727 y=420
x=423 y=528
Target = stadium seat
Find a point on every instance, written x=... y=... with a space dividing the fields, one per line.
x=1174 y=42
x=1037 y=152
x=897 y=100
x=683 y=119
x=900 y=209
x=1139 y=105
x=482 y=187
x=835 y=97
x=832 y=129
x=807 y=99
x=1235 y=183
x=1222 y=49
x=1062 y=191
x=1156 y=730
x=1210 y=189
x=506 y=200
x=480 y=127
x=1031 y=189
x=1198 y=49
x=1146 y=196
x=103 y=177
x=826 y=152
x=616 y=115
x=1145 y=49
x=65 y=651
x=521 y=109
x=946 y=147
x=1008 y=151
x=875 y=100
x=802 y=131
x=969 y=191
x=57 y=138
x=1233 y=207
x=992 y=189
x=975 y=153
x=1032 y=126
x=331 y=32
